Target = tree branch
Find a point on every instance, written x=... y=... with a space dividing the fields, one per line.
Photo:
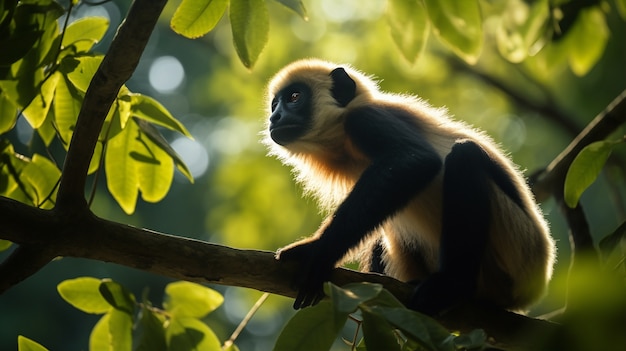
x=116 y=68
x=551 y=180
x=546 y=109
x=90 y=237
x=23 y=262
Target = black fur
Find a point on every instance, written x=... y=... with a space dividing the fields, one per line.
x=376 y=259
x=344 y=88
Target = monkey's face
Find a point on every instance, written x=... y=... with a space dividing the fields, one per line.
x=291 y=113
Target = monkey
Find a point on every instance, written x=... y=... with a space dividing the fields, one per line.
x=412 y=193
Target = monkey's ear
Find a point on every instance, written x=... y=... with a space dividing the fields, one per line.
x=344 y=88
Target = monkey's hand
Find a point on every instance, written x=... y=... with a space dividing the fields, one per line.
x=313 y=271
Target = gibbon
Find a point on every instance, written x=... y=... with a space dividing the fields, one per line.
x=411 y=193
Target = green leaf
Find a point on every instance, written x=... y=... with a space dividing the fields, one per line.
x=250 y=24
x=26 y=344
x=195 y=18
x=158 y=139
x=124 y=102
x=67 y=103
x=348 y=298
x=155 y=169
x=296 y=6
x=120 y=330
x=409 y=27
x=423 y=329
x=15 y=164
x=133 y=161
x=474 y=340
x=611 y=241
x=8 y=113
x=150 y=334
x=121 y=169
x=117 y=296
x=84 y=33
x=585 y=169
x=587 y=40
x=37 y=110
x=83 y=293
x=82 y=72
x=312 y=328
x=385 y=298
x=20 y=42
x=523 y=29
x=47 y=130
x=94 y=164
x=99 y=338
x=187 y=334
x=4 y=245
x=42 y=175
x=49 y=42
x=149 y=109
x=186 y=299
x=113 y=332
x=378 y=333
x=21 y=91
x=459 y=25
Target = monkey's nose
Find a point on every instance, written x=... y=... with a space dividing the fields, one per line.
x=275 y=117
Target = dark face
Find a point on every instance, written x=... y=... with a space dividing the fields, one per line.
x=291 y=113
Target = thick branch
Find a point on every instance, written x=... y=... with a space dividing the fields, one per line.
x=90 y=237
x=116 y=68
x=21 y=264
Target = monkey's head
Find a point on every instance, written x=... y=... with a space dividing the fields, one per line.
x=307 y=100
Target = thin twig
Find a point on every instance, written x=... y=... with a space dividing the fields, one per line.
x=244 y=322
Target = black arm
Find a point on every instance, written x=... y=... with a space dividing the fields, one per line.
x=403 y=164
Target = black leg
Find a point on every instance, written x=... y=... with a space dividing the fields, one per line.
x=376 y=260
x=466 y=216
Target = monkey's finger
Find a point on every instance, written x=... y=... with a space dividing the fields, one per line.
x=298 y=302
x=318 y=297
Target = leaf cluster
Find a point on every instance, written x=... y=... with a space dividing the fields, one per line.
x=385 y=322
x=566 y=32
x=45 y=81
x=127 y=324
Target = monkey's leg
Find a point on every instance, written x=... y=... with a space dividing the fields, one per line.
x=466 y=216
x=376 y=264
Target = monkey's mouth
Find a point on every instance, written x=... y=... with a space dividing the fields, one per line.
x=285 y=134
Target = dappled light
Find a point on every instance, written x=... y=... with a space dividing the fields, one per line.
x=194 y=154
x=166 y=74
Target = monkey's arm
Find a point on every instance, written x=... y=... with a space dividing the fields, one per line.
x=402 y=164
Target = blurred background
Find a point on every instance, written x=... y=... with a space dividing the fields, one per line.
x=244 y=199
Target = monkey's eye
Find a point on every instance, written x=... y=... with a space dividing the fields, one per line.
x=294 y=97
x=274 y=104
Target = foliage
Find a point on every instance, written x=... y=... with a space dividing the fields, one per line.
x=45 y=82
x=50 y=64
x=127 y=324
x=249 y=22
x=386 y=324
x=524 y=30
x=585 y=169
